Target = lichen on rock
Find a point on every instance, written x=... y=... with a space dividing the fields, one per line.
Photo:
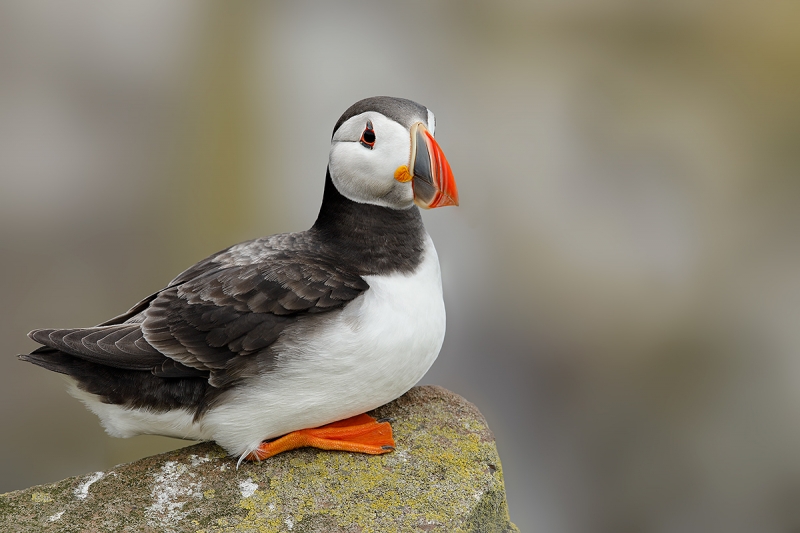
x=445 y=475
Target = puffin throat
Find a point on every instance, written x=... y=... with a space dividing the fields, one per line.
x=372 y=239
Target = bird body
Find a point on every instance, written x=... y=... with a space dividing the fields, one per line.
x=369 y=353
x=291 y=331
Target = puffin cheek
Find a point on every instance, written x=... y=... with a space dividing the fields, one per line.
x=400 y=196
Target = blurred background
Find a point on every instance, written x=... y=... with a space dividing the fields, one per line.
x=622 y=278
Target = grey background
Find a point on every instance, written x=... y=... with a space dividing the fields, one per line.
x=621 y=278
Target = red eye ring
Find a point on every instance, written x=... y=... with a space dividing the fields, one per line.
x=368 y=136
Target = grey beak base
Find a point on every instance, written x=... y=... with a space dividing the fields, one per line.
x=424 y=189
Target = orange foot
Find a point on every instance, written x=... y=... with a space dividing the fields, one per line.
x=360 y=433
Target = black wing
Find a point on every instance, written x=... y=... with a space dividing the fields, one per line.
x=216 y=320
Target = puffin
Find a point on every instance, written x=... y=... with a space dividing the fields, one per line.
x=287 y=341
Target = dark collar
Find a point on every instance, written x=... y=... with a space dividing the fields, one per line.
x=368 y=238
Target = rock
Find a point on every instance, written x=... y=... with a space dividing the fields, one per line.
x=445 y=476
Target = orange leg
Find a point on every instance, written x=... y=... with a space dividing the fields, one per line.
x=360 y=433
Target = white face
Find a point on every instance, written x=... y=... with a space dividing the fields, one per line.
x=364 y=174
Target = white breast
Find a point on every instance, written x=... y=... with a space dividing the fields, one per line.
x=328 y=368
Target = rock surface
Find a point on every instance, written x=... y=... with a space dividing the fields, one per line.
x=445 y=476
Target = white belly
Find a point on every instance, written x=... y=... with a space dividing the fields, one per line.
x=328 y=368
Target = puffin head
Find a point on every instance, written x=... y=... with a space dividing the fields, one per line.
x=383 y=153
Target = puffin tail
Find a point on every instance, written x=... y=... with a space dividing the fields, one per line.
x=51 y=359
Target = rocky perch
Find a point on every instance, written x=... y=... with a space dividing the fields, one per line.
x=445 y=476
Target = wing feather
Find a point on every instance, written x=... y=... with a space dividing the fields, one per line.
x=217 y=319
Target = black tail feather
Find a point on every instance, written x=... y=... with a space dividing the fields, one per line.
x=50 y=359
x=132 y=388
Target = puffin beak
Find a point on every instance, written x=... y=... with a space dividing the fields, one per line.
x=430 y=174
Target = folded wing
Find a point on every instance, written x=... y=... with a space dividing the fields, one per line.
x=216 y=320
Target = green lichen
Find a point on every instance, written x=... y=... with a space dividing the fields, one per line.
x=41 y=497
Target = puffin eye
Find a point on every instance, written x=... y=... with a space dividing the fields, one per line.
x=368 y=137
